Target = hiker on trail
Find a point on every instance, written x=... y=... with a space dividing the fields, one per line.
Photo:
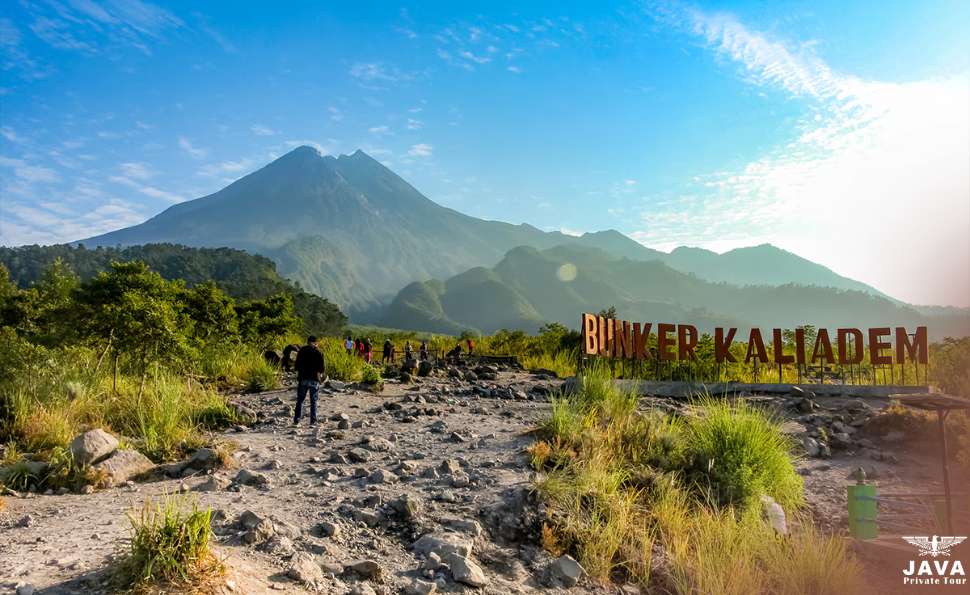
x=368 y=350
x=388 y=355
x=454 y=354
x=423 y=352
x=309 y=370
x=407 y=350
x=349 y=345
x=471 y=346
x=360 y=348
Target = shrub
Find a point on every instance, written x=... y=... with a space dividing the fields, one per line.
x=370 y=375
x=740 y=453
x=169 y=544
x=261 y=377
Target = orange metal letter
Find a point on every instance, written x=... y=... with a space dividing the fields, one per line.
x=823 y=343
x=686 y=341
x=877 y=344
x=640 y=340
x=722 y=345
x=590 y=335
x=778 y=346
x=916 y=350
x=664 y=342
x=859 y=347
x=622 y=344
x=755 y=341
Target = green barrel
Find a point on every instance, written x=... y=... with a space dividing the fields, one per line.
x=862 y=511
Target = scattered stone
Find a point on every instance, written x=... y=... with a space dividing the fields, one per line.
x=383 y=476
x=250 y=478
x=811 y=446
x=328 y=529
x=774 y=514
x=93 y=446
x=443 y=545
x=408 y=506
x=421 y=587
x=304 y=568
x=449 y=467
x=122 y=466
x=367 y=569
x=358 y=455
x=213 y=483
x=470 y=527
x=566 y=571
x=464 y=570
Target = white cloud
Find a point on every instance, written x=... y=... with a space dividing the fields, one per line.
x=335 y=114
x=260 y=130
x=415 y=124
x=29 y=173
x=878 y=169
x=420 y=150
x=226 y=168
x=515 y=69
x=138 y=171
x=150 y=191
x=372 y=72
x=378 y=129
x=193 y=151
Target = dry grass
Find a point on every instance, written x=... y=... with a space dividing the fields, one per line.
x=622 y=486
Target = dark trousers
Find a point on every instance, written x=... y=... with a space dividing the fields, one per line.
x=311 y=386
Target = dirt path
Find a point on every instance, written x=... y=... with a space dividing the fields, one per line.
x=443 y=456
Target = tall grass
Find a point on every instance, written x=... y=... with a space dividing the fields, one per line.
x=164 y=419
x=563 y=363
x=740 y=453
x=169 y=545
x=621 y=486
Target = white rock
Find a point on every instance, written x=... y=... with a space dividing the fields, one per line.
x=93 y=446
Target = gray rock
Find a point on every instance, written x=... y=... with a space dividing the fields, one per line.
x=213 y=483
x=122 y=466
x=566 y=571
x=27 y=589
x=443 y=545
x=407 y=506
x=383 y=476
x=465 y=570
x=328 y=529
x=368 y=569
x=358 y=455
x=421 y=587
x=250 y=478
x=811 y=447
x=774 y=514
x=93 y=446
x=304 y=568
x=470 y=527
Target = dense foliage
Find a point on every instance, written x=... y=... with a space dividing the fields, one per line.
x=238 y=274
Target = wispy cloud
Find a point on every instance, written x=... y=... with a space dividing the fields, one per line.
x=138 y=171
x=150 y=191
x=420 y=150
x=859 y=165
x=378 y=72
x=28 y=172
x=195 y=152
x=260 y=130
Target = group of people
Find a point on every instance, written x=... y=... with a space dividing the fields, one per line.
x=310 y=367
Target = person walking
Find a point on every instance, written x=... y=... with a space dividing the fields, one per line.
x=309 y=370
x=368 y=350
x=423 y=352
x=349 y=345
x=387 y=357
x=407 y=350
x=471 y=345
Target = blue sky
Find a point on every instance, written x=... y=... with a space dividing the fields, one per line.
x=839 y=132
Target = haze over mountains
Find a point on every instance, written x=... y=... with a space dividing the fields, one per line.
x=351 y=230
x=530 y=287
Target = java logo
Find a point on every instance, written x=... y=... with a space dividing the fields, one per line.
x=935 y=572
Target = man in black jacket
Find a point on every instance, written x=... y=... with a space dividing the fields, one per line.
x=309 y=371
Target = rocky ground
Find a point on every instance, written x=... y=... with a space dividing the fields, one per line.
x=420 y=488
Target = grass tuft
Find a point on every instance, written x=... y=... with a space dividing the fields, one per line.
x=169 y=546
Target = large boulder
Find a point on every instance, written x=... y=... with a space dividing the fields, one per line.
x=304 y=568
x=566 y=571
x=122 y=466
x=93 y=446
x=465 y=570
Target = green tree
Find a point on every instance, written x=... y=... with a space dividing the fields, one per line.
x=213 y=314
x=265 y=322
x=133 y=312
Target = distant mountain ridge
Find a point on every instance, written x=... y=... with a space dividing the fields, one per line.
x=527 y=288
x=349 y=229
